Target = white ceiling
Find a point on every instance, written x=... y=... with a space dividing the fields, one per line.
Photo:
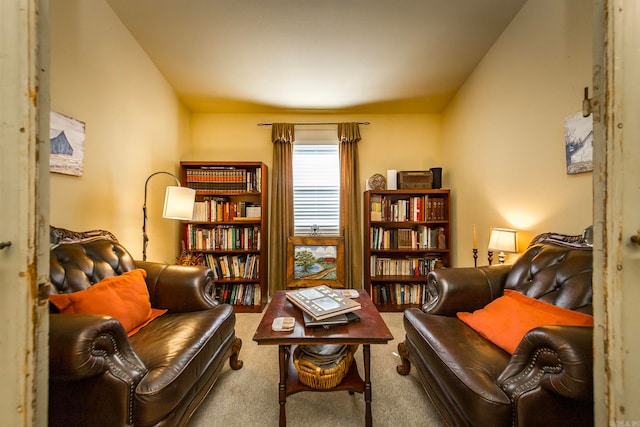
x=384 y=56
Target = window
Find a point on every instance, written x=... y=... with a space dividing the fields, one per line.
x=316 y=188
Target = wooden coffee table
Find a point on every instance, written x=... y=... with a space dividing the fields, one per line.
x=370 y=329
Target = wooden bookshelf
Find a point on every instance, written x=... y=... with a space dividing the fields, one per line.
x=229 y=229
x=407 y=233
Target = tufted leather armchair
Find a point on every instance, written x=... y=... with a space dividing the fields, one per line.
x=157 y=377
x=472 y=382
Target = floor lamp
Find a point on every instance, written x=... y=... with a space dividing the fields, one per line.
x=178 y=204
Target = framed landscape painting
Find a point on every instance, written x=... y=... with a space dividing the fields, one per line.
x=578 y=140
x=313 y=261
x=66 y=136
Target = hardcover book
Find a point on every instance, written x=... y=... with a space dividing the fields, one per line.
x=322 y=302
x=340 y=319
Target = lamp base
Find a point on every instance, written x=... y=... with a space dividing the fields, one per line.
x=501 y=257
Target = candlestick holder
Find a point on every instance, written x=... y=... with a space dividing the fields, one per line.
x=475 y=257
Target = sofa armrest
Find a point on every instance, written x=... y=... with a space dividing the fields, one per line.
x=464 y=289
x=87 y=345
x=179 y=288
x=558 y=359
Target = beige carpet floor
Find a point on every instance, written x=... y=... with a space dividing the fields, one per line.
x=249 y=396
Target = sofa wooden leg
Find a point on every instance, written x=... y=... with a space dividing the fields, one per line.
x=405 y=367
x=234 y=362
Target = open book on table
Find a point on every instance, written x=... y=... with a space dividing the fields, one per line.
x=322 y=302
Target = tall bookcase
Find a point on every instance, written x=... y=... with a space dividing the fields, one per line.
x=229 y=229
x=407 y=234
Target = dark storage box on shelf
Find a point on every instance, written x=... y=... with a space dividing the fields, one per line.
x=415 y=180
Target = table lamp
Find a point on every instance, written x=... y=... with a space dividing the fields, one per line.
x=502 y=240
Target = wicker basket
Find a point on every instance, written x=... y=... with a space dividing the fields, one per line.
x=326 y=376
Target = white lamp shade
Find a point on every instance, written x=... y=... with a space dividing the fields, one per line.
x=503 y=240
x=179 y=202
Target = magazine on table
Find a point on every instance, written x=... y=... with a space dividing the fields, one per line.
x=322 y=302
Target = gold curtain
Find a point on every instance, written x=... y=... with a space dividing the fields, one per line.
x=350 y=222
x=281 y=222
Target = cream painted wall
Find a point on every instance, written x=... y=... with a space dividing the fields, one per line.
x=503 y=137
x=511 y=109
x=135 y=126
x=391 y=141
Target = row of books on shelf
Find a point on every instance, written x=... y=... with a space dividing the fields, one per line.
x=223 y=237
x=400 y=293
x=238 y=294
x=224 y=210
x=406 y=266
x=414 y=208
x=234 y=266
x=419 y=237
x=224 y=179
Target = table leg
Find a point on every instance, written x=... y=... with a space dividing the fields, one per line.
x=283 y=360
x=366 y=352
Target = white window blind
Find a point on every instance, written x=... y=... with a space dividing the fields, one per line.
x=316 y=189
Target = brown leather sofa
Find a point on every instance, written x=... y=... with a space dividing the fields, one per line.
x=99 y=376
x=547 y=381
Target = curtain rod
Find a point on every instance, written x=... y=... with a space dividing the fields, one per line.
x=311 y=124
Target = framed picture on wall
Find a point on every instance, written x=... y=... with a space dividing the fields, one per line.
x=66 y=137
x=578 y=140
x=313 y=261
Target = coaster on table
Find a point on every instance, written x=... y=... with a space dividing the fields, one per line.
x=350 y=293
x=283 y=324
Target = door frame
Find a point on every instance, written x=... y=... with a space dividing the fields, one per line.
x=616 y=65
x=24 y=188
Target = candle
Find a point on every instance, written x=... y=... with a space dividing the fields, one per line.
x=475 y=237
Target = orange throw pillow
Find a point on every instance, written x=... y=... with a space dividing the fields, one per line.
x=507 y=319
x=124 y=297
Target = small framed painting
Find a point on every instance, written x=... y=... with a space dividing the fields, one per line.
x=578 y=140
x=66 y=136
x=313 y=261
